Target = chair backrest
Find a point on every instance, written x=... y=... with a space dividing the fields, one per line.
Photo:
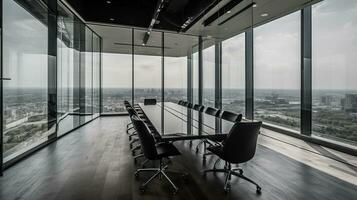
x=184 y=103
x=241 y=142
x=198 y=107
x=230 y=116
x=149 y=101
x=212 y=111
x=147 y=141
x=189 y=105
x=131 y=111
x=180 y=102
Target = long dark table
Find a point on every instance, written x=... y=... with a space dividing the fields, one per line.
x=175 y=122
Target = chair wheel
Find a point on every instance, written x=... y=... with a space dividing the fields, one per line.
x=174 y=192
x=142 y=189
x=259 y=190
x=241 y=171
x=227 y=189
x=136 y=174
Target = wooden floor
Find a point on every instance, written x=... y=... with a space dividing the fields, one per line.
x=94 y=162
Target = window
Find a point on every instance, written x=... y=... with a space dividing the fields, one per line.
x=233 y=74
x=25 y=37
x=195 y=76
x=67 y=70
x=277 y=72
x=176 y=65
x=96 y=75
x=147 y=67
x=334 y=58
x=208 y=72
x=87 y=74
x=117 y=75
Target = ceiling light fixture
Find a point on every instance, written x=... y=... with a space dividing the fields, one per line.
x=108 y=2
x=228 y=11
x=255 y=5
x=264 y=15
x=111 y=19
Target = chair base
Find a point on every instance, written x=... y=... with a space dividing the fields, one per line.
x=229 y=172
x=159 y=172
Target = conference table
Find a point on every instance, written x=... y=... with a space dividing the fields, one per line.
x=176 y=122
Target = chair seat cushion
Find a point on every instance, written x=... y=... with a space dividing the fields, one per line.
x=166 y=150
x=218 y=150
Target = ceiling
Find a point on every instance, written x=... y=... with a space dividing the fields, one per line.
x=113 y=21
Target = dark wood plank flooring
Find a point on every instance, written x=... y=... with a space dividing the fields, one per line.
x=94 y=162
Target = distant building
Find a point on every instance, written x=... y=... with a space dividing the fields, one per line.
x=349 y=103
x=327 y=100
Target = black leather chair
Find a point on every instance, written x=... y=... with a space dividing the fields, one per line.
x=213 y=111
x=189 y=105
x=198 y=108
x=153 y=151
x=238 y=147
x=150 y=101
x=230 y=116
x=185 y=103
x=180 y=102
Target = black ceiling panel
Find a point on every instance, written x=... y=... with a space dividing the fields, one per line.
x=140 y=12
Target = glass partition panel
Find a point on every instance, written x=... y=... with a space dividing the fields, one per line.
x=233 y=74
x=277 y=72
x=67 y=70
x=25 y=63
x=147 y=66
x=208 y=72
x=334 y=58
x=117 y=74
x=96 y=75
x=87 y=55
x=176 y=49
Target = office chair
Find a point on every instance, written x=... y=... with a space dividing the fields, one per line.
x=198 y=108
x=180 y=102
x=149 y=101
x=210 y=111
x=154 y=151
x=185 y=103
x=230 y=116
x=238 y=147
x=189 y=105
x=213 y=111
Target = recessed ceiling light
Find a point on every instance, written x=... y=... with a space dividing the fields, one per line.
x=255 y=5
x=108 y=2
x=143 y=44
x=228 y=11
x=111 y=19
x=264 y=15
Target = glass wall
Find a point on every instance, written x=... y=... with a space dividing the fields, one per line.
x=195 y=76
x=67 y=70
x=78 y=72
x=208 y=73
x=34 y=84
x=96 y=74
x=117 y=75
x=87 y=54
x=25 y=63
x=147 y=66
x=233 y=74
x=277 y=71
x=334 y=58
x=177 y=49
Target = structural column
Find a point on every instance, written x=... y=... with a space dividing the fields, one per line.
x=306 y=71
x=249 y=75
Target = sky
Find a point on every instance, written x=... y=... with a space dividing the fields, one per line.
x=276 y=53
